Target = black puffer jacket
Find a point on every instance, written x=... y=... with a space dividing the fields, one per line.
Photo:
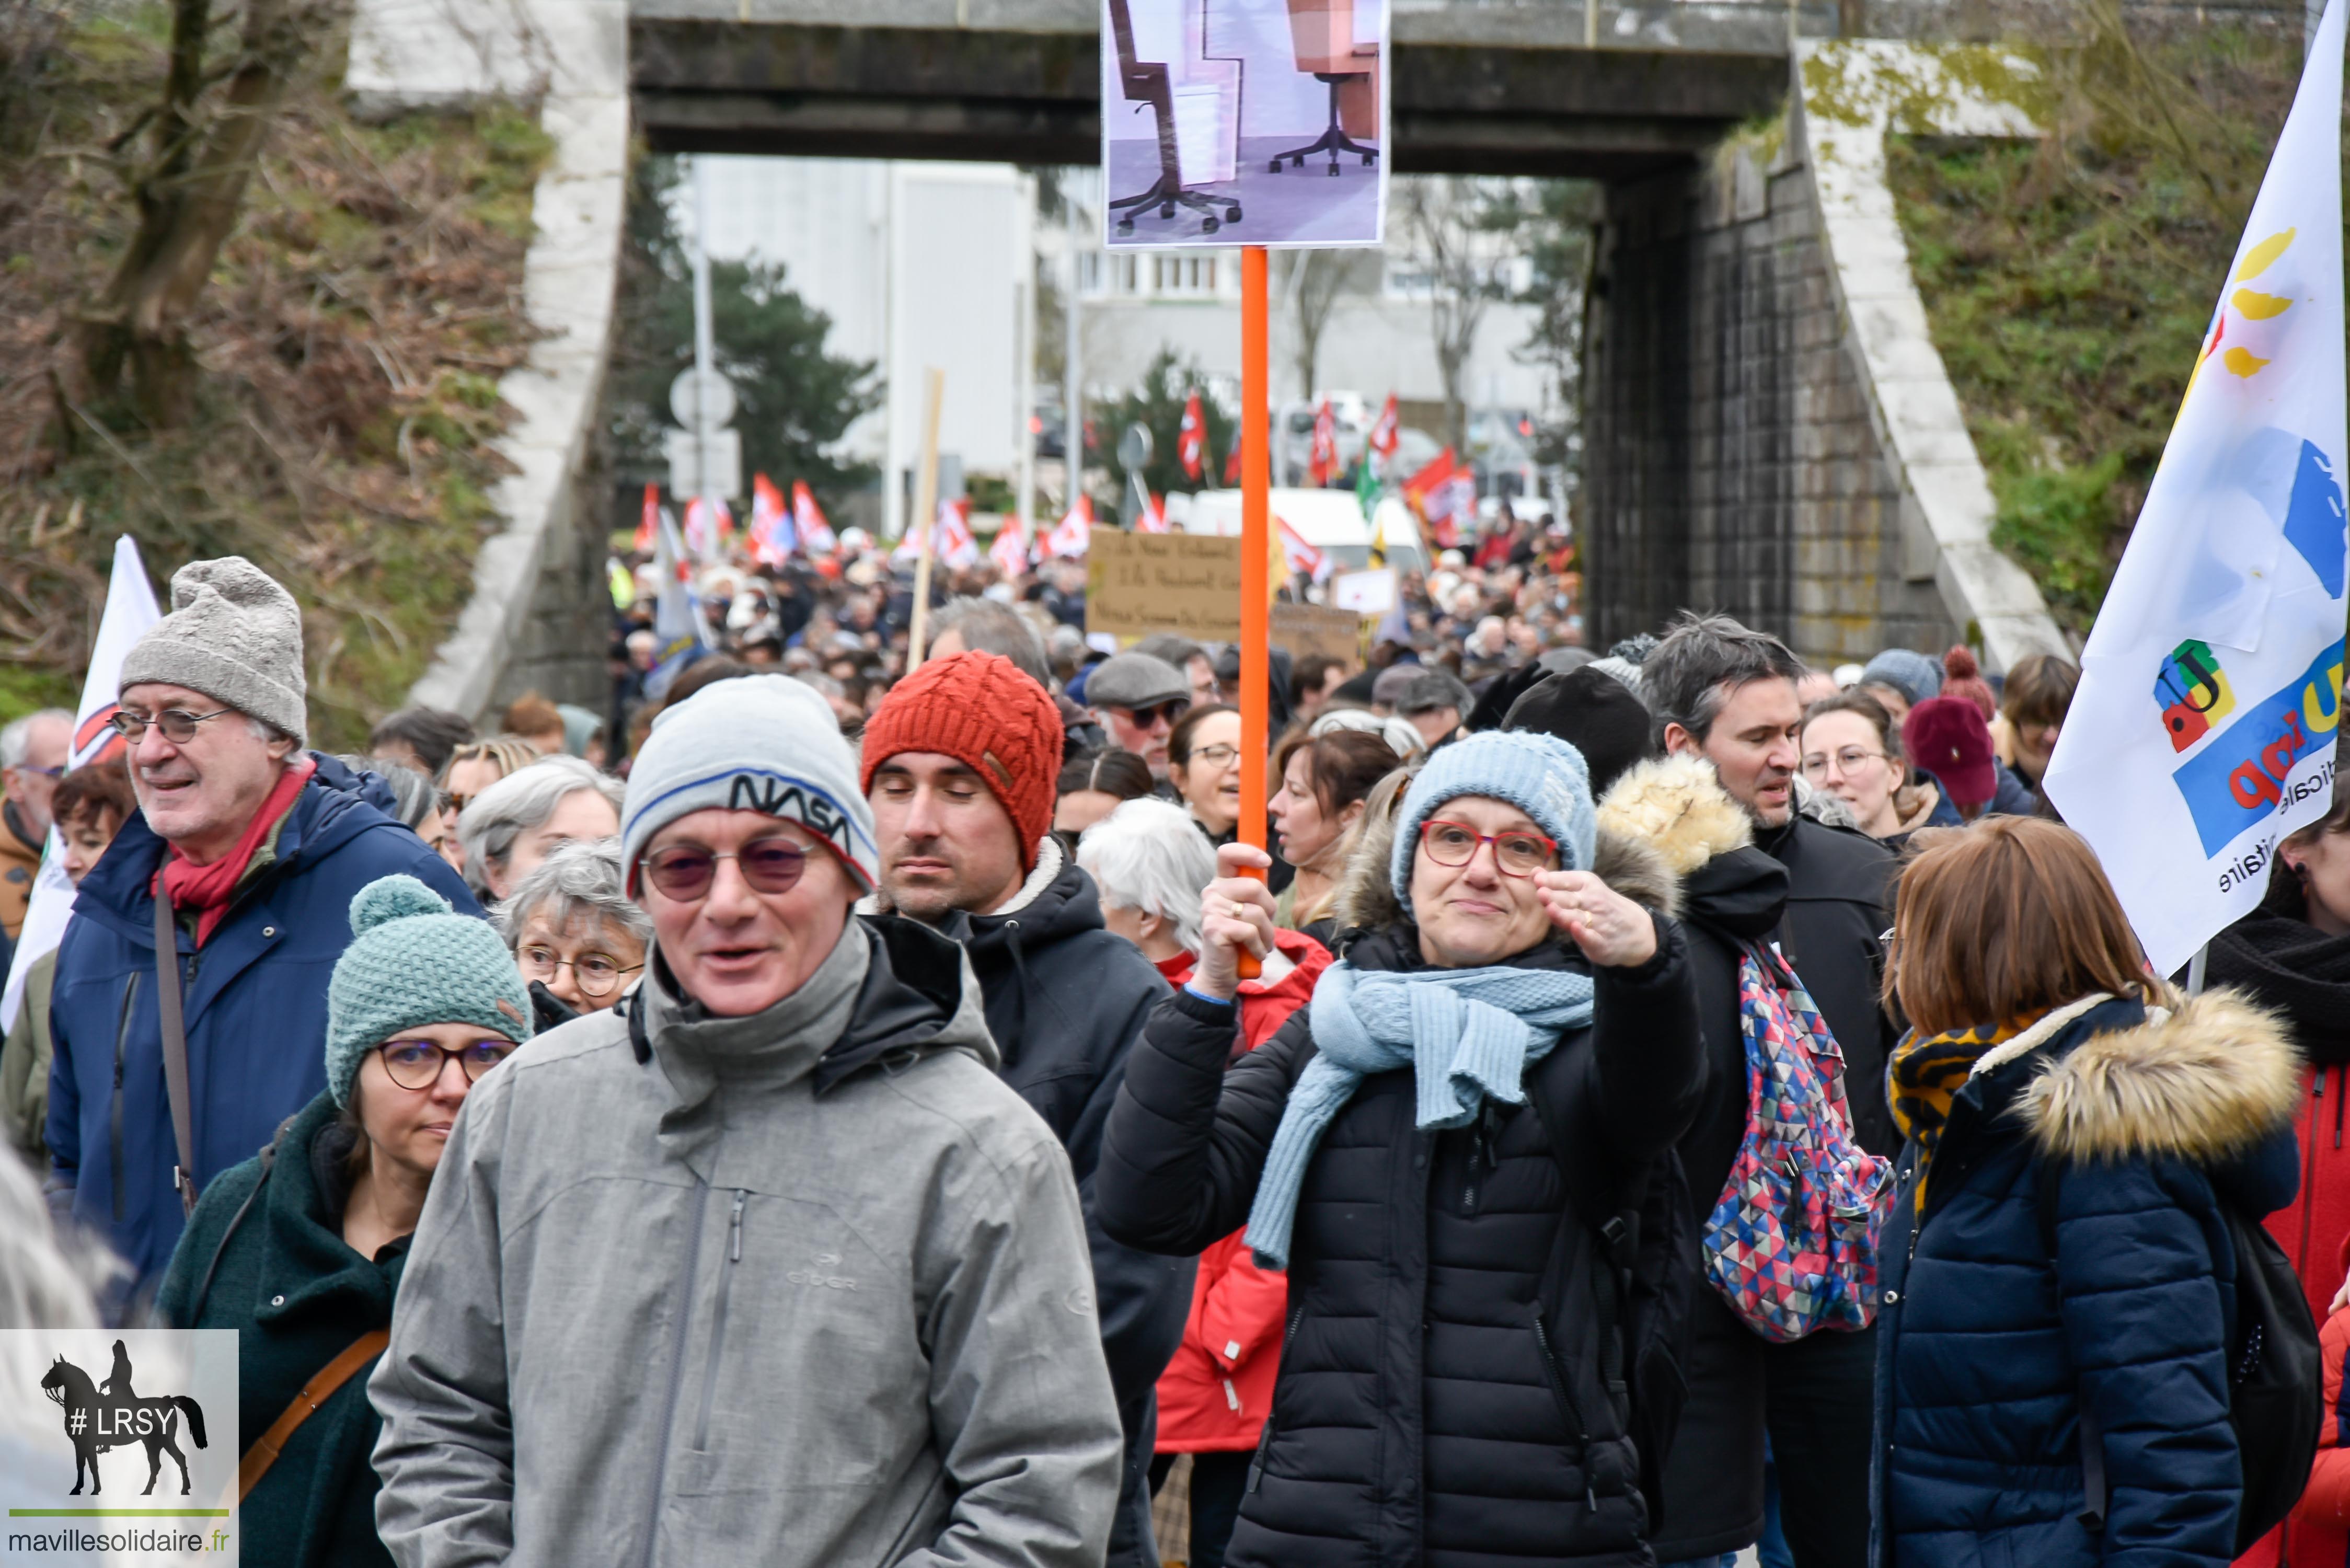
x=1066 y=1001
x=1437 y=1404
x=1730 y=893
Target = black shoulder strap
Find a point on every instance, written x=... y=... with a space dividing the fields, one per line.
x=175 y=1050
x=2045 y=1191
x=236 y=1221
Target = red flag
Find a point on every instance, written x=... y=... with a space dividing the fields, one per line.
x=1445 y=494
x=956 y=546
x=1385 y=433
x=1152 y=518
x=1191 y=440
x=772 y=536
x=816 y=536
x=1298 y=554
x=1232 y=462
x=649 y=524
x=1323 y=465
x=1074 y=533
x=1010 y=551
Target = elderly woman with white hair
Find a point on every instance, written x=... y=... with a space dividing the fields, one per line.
x=578 y=938
x=505 y=831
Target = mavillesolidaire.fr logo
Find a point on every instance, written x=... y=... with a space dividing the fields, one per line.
x=118 y=1446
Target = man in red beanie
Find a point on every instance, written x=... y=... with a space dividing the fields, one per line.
x=959 y=764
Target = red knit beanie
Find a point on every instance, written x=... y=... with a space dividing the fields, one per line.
x=980 y=710
x=1962 y=677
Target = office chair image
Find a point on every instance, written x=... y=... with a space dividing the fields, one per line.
x=1150 y=82
x=1322 y=32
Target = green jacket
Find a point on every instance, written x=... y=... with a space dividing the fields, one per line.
x=25 y=1066
x=298 y=1296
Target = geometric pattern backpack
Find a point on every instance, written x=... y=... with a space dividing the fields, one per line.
x=1791 y=1244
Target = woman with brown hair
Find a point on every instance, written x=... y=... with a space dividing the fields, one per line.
x=1325 y=779
x=1852 y=749
x=2058 y=1260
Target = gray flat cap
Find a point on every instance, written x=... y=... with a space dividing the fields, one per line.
x=1135 y=681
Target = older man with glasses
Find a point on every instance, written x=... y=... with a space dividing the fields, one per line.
x=854 y=1321
x=1138 y=698
x=239 y=870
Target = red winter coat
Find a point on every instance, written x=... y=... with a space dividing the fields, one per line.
x=1215 y=1393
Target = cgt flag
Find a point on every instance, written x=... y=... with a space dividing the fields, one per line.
x=2203 y=730
x=816 y=536
x=1191 y=440
x=130 y=610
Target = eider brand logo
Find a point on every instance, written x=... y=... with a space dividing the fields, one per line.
x=168 y=1395
x=777 y=798
x=822 y=1275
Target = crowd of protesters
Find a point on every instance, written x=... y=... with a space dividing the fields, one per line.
x=819 y=1111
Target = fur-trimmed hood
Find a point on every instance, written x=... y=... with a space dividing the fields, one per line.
x=1365 y=900
x=1677 y=807
x=2204 y=1078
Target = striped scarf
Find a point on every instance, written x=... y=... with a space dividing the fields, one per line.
x=1926 y=1073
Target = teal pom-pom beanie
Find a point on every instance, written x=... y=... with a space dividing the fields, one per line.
x=414 y=961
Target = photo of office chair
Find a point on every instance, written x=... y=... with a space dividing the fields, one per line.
x=1150 y=82
x=1322 y=35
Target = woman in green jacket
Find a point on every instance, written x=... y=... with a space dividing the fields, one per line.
x=299 y=1248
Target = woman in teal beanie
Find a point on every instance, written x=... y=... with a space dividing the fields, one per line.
x=299 y=1248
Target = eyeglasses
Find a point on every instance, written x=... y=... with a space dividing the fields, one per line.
x=1847 y=761
x=417 y=1063
x=179 y=725
x=684 y=872
x=1170 y=710
x=1515 y=854
x=597 y=974
x=1215 y=757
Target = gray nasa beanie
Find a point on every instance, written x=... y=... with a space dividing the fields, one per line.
x=757 y=742
x=233 y=635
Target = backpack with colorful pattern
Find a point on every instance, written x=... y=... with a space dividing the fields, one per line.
x=1791 y=1245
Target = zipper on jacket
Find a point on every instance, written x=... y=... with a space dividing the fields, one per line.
x=718 y=1321
x=114 y=1129
x=1485 y=1137
x=1264 y=1436
x=676 y=1367
x=1566 y=1407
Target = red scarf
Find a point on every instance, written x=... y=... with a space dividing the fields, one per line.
x=207 y=890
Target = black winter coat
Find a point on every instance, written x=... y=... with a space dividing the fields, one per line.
x=1839 y=900
x=1436 y=1406
x=1065 y=1002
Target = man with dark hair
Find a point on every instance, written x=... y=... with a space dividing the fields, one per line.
x=419 y=738
x=1318 y=676
x=1726 y=694
x=982 y=626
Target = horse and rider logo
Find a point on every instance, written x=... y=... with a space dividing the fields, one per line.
x=111 y=1416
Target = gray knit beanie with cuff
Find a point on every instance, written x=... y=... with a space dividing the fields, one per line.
x=233 y=635
x=758 y=743
x=1540 y=774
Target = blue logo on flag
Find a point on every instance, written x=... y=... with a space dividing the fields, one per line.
x=2242 y=776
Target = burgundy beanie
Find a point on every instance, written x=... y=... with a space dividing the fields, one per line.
x=980 y=710
x=1961 y=677
x=1946 y=737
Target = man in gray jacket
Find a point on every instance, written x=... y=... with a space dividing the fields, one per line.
x=765 y=1266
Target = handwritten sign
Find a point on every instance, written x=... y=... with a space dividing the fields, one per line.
x=1306 y=629
x=1137 y=583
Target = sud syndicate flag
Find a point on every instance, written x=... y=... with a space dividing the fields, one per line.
x=2203 y=730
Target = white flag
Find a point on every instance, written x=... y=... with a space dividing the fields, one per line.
x=130 y=610
x=2203 y=730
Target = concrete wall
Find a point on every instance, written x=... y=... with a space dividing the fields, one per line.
x=1730 y=460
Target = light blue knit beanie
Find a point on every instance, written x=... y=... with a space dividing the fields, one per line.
x=1540 y=774
x=413 y=961
x=1908 y=671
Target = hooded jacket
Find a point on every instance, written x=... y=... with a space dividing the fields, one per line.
x=1730 y=894
x=296 y=1295
x=852 y=1322
x=1439 y=1402
x=253 y=1000
x=1066 y=1001
x=1987 y=1346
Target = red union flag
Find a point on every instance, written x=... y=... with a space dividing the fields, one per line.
x=816 y=536
x=1074 y=533
x=648 y=521
x=1298 y=554
x=1385 y=433
x=1232 y=462
x=1010 y=551
x=1445 y=493
x=1153 y=519
x=956 y=546
x=771 y=526
x=1323 y=462
x=1191 y=440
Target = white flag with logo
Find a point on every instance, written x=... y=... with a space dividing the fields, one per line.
x=2204 y=727
x=130 y=610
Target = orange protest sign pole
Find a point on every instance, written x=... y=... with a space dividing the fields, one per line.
x=1257 y=481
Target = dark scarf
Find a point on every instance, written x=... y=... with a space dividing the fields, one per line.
x=1926 y=1074
x=2286 y=963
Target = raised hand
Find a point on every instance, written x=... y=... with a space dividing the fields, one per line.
x=1612 y=931
x=1236 y=914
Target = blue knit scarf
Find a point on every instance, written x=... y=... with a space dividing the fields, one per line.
x=1467 y=1033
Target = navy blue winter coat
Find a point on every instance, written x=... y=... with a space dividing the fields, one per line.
x=255 y=1000
x=1987 y=1346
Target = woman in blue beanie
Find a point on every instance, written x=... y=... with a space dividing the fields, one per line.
x=1461 y=1151
x=299 y=1248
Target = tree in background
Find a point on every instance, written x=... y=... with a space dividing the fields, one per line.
x=1311 y=281
x=1156 y=402
x=1449 y=223
x=202 y=140
x=795 y=400
x=1551 y=223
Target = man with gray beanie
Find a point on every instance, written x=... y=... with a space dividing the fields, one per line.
x=239 y=867
x=854 y=1320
